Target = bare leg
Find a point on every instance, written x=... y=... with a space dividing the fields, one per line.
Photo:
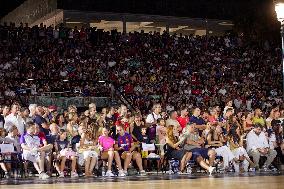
x=41 y=161
x=92 y=165
x=62 y=164
x=57 y=164
x=110 y=159
x=49 y=162
x=87 y=165
x=74 y=162
x=138 y=159
x=185 y=159
x=2 y=165
x=202 y=163
x=117 y=160
x=127 y=160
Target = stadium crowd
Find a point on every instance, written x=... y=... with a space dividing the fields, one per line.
x=146 y=67
x=209 y=98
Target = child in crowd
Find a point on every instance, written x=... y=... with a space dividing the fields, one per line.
x=89 y=149
x=145 y=137
x=32 y=149
x=12 y=138
x=161 y=131
x=2 y=164
x=63 y=152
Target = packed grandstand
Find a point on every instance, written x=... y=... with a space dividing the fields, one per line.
x=194 y=103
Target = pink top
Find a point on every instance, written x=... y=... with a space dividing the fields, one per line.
x=162 y=133
x=106 y=142
x=212 y=119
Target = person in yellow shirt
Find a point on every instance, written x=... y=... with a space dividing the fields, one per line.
x=258 y=117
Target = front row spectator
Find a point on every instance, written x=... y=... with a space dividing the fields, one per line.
x=33 y=150
x=236 y=143
x=174 y=147
x=106 y=145
x=126 y=148
x=2 y=164
x=194 y=143
x=257 y=146
x=63 y=152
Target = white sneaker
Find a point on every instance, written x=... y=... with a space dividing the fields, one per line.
x=126 y=173
x=121 y=173
x=43 y=175
x=74 y=175
x=142 y=173
x=211 y=170
x=61 y=175
x=109 y=174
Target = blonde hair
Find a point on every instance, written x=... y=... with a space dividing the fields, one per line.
x=71 y=116
x=170 y=134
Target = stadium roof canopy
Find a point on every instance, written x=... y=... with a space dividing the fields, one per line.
x=183 y=16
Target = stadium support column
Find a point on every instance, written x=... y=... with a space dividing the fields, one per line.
x=282 y=40
x=124 y=29
x=279 y=9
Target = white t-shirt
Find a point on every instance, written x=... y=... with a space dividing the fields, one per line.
x=17 y=120
x=222 y=91
x=237 y=103
x=248 y=103
x=256 y=141
x=152 y=117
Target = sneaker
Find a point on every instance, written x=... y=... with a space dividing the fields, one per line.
x=61 y=175
x=109 y=174
x=74 y=175
x=181 y=173
x=265 y=168
x=170 y=172
x=43 y=175
x=125 y=172
x=252 y=169
x=211 y=170
x=142 y=173
x=7 y=175
x=121 y=173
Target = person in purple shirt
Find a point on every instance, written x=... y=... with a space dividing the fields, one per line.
x=125 y=146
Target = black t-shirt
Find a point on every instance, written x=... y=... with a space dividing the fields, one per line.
x=137 y=133
x=145 y=139
x=2 y=120
x=76 y=139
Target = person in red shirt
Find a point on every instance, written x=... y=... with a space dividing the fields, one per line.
x=183 y=119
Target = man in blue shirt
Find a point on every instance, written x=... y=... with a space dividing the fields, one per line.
x=195 y=118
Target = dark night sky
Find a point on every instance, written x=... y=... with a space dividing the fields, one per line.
x=7 y=5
